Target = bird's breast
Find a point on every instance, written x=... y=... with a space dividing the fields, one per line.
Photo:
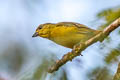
x=67 y=40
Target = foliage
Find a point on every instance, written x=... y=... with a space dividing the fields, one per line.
x=100 y=74
x=103 y=73
x=109 y=15
x=112 y=56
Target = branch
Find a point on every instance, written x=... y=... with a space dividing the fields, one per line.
x=76 y=51
x=117 y=75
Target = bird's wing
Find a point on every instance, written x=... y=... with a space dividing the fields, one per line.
x=70 y=24
x=81 y=28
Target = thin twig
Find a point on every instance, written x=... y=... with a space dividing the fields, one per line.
x=82 y=46
x=117 y=74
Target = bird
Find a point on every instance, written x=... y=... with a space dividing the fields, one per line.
x=66 y=34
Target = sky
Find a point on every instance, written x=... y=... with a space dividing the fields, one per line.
x=20 y=18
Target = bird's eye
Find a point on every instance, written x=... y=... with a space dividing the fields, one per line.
x=40 y=28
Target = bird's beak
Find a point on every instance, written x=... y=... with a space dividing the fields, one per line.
x=35 y=34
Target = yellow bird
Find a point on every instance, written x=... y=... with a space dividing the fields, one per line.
x=66 y=34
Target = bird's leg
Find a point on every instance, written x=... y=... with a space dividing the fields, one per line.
x=77 y=48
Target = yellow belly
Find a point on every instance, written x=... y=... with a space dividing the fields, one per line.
x=65 y=36
x=69 y=40
x=66 y=41
x=69 y=36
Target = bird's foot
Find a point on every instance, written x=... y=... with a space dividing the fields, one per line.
x=77 y=48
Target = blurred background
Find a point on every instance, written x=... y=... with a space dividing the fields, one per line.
x=25 y=58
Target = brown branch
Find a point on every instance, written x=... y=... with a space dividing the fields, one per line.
x=117 y=75
x=82 y=46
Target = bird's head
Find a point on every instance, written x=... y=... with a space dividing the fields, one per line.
x=43 y=30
